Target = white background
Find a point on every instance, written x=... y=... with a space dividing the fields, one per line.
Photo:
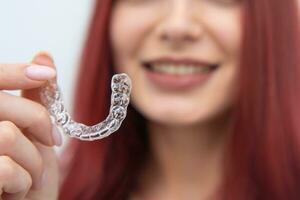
x=56 y=26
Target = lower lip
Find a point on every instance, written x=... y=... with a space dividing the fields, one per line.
x=178 y=82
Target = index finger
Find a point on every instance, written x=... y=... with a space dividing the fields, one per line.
x=24 y=76
x=41 y=58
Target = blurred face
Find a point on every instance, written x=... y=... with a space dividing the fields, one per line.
x=182 y=56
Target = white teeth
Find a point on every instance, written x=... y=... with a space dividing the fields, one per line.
x=180 y=69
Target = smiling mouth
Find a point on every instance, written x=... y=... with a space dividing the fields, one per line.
x=179 y=66
x=173 y=74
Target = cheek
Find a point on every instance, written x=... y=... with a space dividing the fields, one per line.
x=225 y=27
x=127 y=31
x=129 y=36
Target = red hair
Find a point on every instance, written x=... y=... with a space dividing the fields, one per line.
x=263 y=159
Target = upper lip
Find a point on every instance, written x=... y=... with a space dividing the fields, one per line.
x=178 y=61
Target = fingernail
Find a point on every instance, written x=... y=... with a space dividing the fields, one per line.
x=57 y=137
x=40 y=72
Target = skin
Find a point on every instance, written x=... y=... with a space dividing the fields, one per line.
x=192 y=124
x=28 y=165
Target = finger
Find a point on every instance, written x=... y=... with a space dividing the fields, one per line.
x=15 y=181
x=24 y=76
x=28 y=115
x=41 y=58
x=50 y=186
x=15 y=145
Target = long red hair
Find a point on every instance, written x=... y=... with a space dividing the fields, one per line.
x=263 y=160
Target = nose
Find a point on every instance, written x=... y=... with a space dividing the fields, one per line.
x=179 y=26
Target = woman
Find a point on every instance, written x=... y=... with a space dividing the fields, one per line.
x=213 y=111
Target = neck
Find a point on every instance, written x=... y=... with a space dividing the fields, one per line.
x=188 y=157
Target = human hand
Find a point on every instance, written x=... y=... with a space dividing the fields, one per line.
x=28 y=164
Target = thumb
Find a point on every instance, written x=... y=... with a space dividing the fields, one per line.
x=41 y=58
x=50 y=182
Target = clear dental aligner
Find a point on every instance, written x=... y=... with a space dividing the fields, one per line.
x=52 y=99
